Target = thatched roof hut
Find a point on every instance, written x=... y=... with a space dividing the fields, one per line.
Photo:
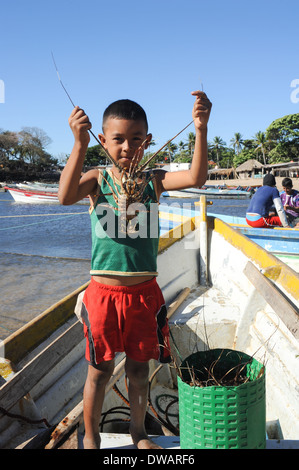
x=221 y=173
x=249 y=168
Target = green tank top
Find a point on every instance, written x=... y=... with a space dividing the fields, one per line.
x=117 y=248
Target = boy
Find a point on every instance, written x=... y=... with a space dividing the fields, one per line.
x=123 y=292
x=290 y=200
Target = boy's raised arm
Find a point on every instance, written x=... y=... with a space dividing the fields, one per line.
x=197 y=174
x=73 y=187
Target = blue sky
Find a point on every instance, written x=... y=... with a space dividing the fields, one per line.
x=156 y=52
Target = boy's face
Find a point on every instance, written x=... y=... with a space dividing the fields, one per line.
x=288 y=189
x=122 y=138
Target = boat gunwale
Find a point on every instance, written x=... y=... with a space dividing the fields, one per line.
x=283 y=274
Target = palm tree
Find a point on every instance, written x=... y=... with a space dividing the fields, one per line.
x=237 y=142
x=260 y=142
x=171 y=148
x=191 y=142
x=181 y=145
x=218 y=144
x=151 y=144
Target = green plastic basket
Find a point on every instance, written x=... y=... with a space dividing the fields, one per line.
x=222 y=417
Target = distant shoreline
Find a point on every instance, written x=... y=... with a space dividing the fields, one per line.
x=238 y=182
x=253 y=182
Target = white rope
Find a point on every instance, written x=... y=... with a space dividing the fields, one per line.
x=42 y=222
x=42 y=215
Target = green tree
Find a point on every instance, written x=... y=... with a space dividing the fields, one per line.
x=95 y=155
x=284 y=136
x=247 y=153
x=261 y=142
x=191 y=142
x=217 y=146
x=237 y=142
x=30 y=146
x=227 y=158
x=8 y=142
x=171 y=148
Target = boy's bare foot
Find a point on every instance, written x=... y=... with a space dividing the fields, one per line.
x=147 y=444
x=90 y=443
x=144 y=442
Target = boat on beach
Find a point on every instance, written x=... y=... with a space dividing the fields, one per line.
x=36 y=196
x=35 y=186
x=280 y=241
x=213 y=192
x=222 y=290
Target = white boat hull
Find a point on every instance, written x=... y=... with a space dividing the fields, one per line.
x=210 y=193
x=37 y=197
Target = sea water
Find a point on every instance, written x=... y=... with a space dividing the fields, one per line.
x=45 y=253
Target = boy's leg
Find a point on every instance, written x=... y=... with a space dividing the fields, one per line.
x=137 y=373
x=93 y=398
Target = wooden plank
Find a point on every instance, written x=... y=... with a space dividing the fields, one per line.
x=76 y=415
x=280 y=304
x=24 y=380
x=178 y=301
x=28 y=337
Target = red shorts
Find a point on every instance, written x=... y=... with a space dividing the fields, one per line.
x=270 y=221
x=125 y=318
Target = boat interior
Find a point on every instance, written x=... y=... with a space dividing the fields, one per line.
x=222 y=291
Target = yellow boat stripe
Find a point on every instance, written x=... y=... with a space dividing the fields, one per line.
x=172 y=216
x=273 y=267
x=175 y=234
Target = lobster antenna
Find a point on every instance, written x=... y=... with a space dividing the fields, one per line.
x=201 y=84
x=94 y=136
x=142 y=167
x=155 y=154
x=61 y=81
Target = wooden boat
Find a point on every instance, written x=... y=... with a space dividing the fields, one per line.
x=213 y=192
x=222 y=291
x=36 y=197
x=46 y=188
x=282 y=242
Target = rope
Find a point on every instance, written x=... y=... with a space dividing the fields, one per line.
x=36 y=223
x=166 y=424
x=43 y=256
x=23 y=418
x=41 y=215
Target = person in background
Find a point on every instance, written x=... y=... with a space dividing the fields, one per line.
x=290 y=200
x=260 y=212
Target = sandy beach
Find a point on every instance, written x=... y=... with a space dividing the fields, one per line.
x=237 y=182
x=254 y=182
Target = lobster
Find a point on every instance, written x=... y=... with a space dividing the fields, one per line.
x=133 y=182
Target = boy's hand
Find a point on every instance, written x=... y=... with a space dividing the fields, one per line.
x=80 y=125
x=201 y=110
